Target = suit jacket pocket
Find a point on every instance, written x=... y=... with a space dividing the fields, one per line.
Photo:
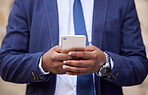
x=30 y=88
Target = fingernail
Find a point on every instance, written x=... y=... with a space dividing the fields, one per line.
x=64 y=62
x=67 y=73
x=93 y=49
x=69 y=53
x=64 y=66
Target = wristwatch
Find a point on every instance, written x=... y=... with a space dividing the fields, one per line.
x=105 y=70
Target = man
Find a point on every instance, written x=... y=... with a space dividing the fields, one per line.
x=31 y=54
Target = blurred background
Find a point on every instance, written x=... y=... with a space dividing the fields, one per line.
x=19 y=89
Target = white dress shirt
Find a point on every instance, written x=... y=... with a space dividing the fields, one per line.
x=66 y=84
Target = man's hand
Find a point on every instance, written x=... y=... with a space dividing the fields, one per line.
x=89 y=61
x=53 y=60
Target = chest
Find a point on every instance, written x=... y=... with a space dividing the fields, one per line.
x=44 y=24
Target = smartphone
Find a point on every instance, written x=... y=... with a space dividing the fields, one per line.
x=73 y=42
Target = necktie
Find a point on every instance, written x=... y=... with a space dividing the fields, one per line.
x=84 y=82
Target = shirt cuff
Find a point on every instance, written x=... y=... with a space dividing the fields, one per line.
x=41 y=69
x=111 y=61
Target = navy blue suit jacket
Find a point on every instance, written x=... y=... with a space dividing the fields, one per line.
x=33 y=29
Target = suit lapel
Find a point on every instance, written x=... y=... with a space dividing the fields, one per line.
x=99 y=17
x=51 y=10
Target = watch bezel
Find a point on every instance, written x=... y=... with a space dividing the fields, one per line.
x=102 y=72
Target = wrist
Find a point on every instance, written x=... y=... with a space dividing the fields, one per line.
x=43 y=65
x=41 y=68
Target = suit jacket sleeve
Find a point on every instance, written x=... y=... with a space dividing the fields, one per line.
x=16 y=63
x=131 y=65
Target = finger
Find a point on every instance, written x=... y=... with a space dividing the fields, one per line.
x=90 y=48
x=57 y=48
x=74 y=69
x=77 y=63
x=57 y=67
x=77 y=49
x=61 y=57
x=72 y=73
x=80 y=54
x=93 y=49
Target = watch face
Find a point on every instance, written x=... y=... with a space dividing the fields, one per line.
x=104 y=71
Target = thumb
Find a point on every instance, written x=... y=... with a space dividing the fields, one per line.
x=57 y=49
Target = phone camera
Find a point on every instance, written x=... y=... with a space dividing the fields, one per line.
x=64 y=38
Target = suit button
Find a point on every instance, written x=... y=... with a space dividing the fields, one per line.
x=34 y=77
x=37 y=77
x=41 y=76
